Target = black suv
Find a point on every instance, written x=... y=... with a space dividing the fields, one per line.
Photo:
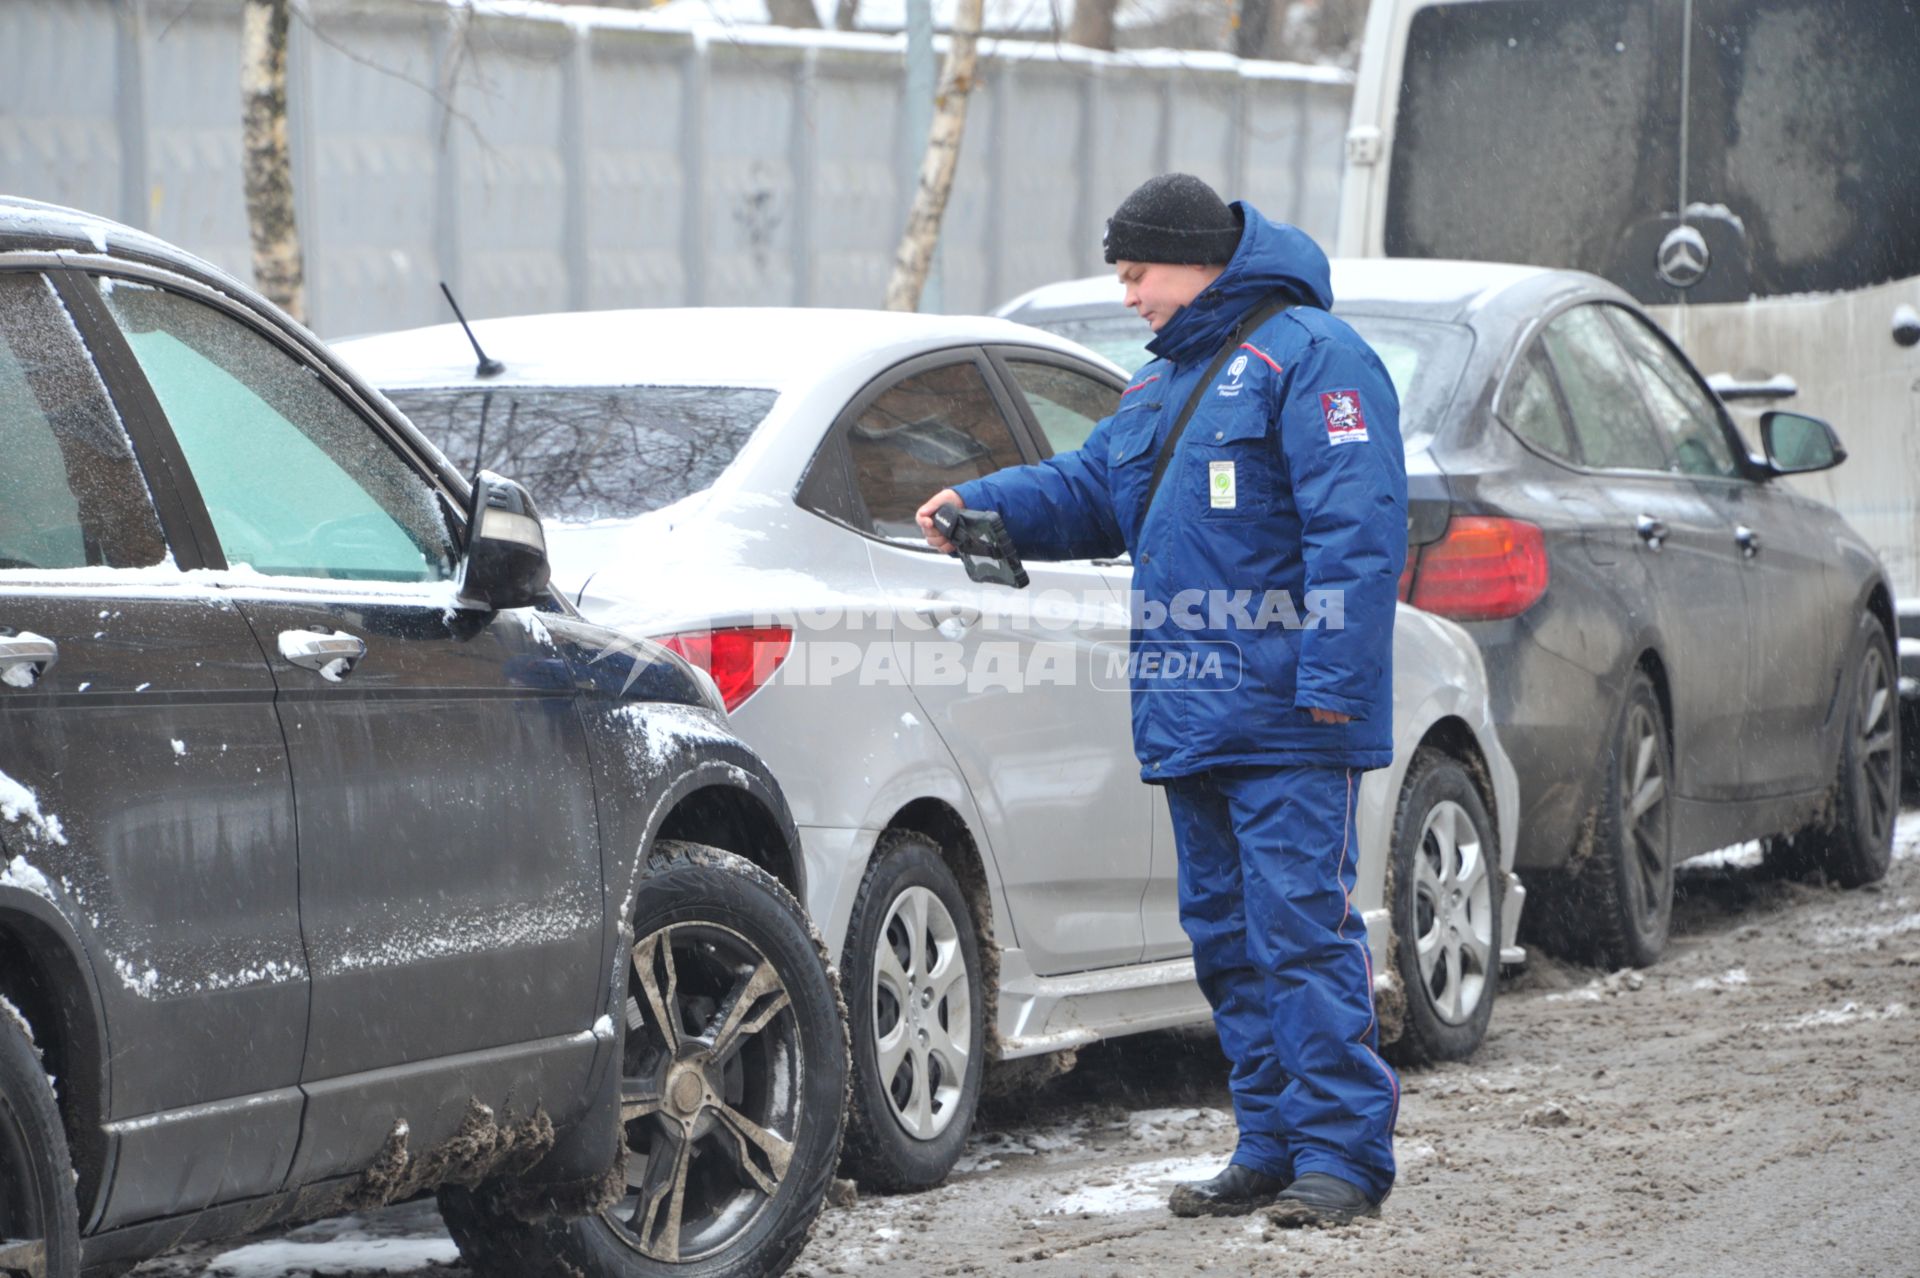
x=342 y=862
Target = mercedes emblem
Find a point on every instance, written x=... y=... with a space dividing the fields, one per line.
x=1683 y=257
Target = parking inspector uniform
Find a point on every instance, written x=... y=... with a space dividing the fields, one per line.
x=1266 y=567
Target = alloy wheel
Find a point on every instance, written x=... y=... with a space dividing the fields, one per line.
x=1874 y=746
x=1453 y=913
x=922 y=1023
x=1643 y=820
x=710 y=1091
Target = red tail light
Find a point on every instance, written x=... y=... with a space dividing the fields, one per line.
x=739 y=659
x=1483 y=569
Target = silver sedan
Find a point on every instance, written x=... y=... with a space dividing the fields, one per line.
x=980 y=853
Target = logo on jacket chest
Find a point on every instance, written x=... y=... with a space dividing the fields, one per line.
x=1233 y=385
x=1346 y=423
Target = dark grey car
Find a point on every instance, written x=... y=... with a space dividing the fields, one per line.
x=341 y=861
x=1683 y=652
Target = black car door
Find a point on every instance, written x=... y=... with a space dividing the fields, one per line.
x=1796 y=629
x=149 y=827
x=450 y=884
x=1683 y=538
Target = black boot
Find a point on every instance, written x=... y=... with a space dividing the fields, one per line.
x=1234 y=1192
x=1316 y=1198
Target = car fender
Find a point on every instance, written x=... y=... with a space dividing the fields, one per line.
x=37 y=910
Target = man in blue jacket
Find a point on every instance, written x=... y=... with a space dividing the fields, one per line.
x=1266 y=562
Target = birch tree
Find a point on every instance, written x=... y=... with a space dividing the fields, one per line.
x=915 y=254
x=279 y=269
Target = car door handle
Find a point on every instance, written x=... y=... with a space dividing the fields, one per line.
x=1652 y=531
x=332 y=654
x=1748 y=540
x=24 y=658
x=947 y=616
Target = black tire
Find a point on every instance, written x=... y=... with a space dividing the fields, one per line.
x=715 y=934
x=1623 y=894
x=1447 y=893
x=1852 y=843
x=884 y=1152
x=39 y=1221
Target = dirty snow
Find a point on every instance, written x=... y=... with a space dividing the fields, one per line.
x=19 y=803
x=140 y=981
x=454 y=930
x=1738 y=1109
x=12 y=1013
x=19 y=874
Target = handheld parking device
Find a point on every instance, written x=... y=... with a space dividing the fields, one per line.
x=980 y=537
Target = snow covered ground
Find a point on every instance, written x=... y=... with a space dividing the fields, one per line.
x=1727 y=1112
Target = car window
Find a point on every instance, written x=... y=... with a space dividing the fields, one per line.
x=929 y=431
x=1532 y=410
x=1066 y=404
x=296 y=481
x=1609 y=418
x=71 y=494
x=585 y=453
x=1120 y=336
x=1681 y=409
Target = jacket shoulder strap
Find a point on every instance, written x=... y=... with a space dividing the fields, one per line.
x=1251 y=321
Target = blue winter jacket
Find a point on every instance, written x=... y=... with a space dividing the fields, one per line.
x=1289 y=481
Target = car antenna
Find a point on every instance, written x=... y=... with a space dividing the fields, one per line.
x=486 y=367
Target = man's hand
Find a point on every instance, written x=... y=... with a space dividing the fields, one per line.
x=924 y=517
x=1328 y=716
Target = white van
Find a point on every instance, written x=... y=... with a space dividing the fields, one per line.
x=1748 y=168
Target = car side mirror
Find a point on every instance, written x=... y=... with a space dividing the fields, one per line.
x=1797 y=444
x=506 y=563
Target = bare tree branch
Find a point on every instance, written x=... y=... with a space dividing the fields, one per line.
x=279 y=268
x=845 y=14
x=915 y=255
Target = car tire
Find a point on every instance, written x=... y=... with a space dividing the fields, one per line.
x=39 y=1220
x=1852 y=843
x=753 y=1119
x=1447 y=887
x=913 y=981
x=1623 y=893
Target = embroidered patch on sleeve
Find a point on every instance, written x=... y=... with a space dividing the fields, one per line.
x=1346 y=423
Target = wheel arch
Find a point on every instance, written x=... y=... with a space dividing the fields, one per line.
x=1452 y=737
x=43 y=973
x=734 y=820
x=939 y=822
x=1650 y=662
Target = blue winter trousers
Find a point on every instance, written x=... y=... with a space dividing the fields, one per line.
x=1267 y=864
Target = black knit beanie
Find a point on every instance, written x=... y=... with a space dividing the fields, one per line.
x=1173 y=218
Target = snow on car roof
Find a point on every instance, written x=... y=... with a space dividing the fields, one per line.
x=699 y=346
x=1401 y=280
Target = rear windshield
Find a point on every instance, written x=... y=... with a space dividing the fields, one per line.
x=598 y=453
x=1552 y=133
x=1424 y=357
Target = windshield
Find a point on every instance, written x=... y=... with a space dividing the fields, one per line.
x=1424 y=357
x=608 y=452
x=1580 y=135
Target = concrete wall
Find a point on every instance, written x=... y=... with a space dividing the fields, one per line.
x=540 y=158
